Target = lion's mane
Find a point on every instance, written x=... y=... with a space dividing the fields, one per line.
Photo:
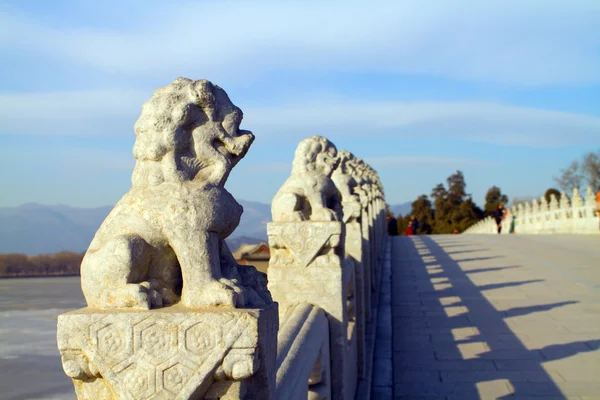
x=164 y=148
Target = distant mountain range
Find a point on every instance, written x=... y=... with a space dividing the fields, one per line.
x=36 y=228
x=402 y=209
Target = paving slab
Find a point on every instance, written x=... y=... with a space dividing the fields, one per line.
x=486 y=316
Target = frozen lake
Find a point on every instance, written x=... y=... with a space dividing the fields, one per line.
x=29 y=358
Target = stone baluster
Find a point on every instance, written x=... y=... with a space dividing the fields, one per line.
x=565 y=215
x=343 y=177
x=554 y=214
x=170 y=313
x=303 y=360
x=577 y=210
x=529 y=219
x=361 y=189
x=577 y=203
x=308 y=261
x=544 y=211
x=591 y=219
x=520 y=223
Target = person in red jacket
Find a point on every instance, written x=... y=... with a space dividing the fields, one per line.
x=598 y=206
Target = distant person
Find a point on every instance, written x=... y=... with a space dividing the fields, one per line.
x=455 y=231
x=598 y=206
x=409 y=230
x=414 y=224
x=498 y=215
x=392 y=225
x=513 y=217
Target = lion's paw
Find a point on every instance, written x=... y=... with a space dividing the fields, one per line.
x=224 y=292
x=129 y=296
x=159 y=296
x=324 y=214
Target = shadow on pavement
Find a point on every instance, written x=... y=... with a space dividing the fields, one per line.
x=474 y=271
x=467 y=251
x=450 y=342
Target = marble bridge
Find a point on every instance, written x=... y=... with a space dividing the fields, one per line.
x=489 y=316
x=346 y=312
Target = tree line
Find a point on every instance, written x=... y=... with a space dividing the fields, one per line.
x=450 y=208
x=62 y=263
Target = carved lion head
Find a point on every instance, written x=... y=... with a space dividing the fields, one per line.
x=347 y=163
x=188 y=130
x=315 y=154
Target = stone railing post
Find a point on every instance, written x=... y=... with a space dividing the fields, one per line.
x=565 y=215
x=591 y=219
x=328 y=218
x=170 y=313
x=529 y=219
x=577 y=210
x=308 y=261
x=543 y=211
x=520 y=222
x=577 y=215
x=554 y=214
x=352 y=210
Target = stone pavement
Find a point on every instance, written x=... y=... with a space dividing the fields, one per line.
x=492 y=317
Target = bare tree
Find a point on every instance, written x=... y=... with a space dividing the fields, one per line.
x=570 y=177
x=591 y=169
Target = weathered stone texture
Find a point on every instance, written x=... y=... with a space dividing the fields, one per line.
x=171 y=314
x=324 y=250
x=174 y=352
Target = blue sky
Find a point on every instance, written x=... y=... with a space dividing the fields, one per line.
x=507 y=92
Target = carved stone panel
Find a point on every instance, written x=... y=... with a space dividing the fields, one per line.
x=173 y=353
x=305 y=240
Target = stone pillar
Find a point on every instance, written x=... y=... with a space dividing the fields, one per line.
x=170 y=313
x=544 y=216
x=577 y=211
x=529 y=219
x=366 y=253
x=591 y=219
x=308 y=261
x=308 y=265
x=343 y=177
x=564 y=213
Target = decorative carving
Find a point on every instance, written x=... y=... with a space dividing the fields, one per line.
x=161 y=355
x=309 y=193
x=165 y=238
x=306 y=242
x=343 y=177
x=559 y=215
x=163 y=247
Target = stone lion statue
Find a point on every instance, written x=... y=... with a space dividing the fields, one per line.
x=309 y=193
x=163 y=242
x=343 y=177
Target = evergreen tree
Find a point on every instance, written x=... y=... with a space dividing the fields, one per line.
x=423 y=212
x=442 y=208
x=550 y=192
x=454 y=208
x=468 y=213
x=456 y=188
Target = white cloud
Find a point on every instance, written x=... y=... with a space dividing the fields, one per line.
x=524 y=43
x=96 y=112
x=113 y=112
x=472 y=121
x=69 y=160
x=427 y=161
